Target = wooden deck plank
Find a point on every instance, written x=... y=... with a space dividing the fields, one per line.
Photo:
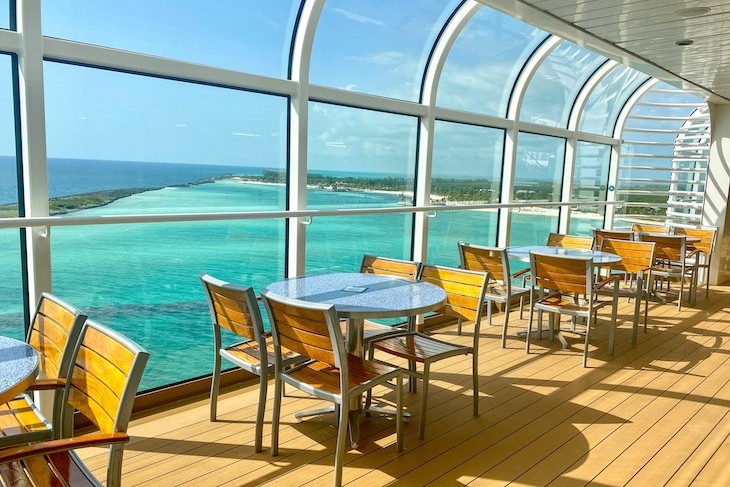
x=651 y=414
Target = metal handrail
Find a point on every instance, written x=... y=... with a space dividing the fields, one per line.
x=59 y=221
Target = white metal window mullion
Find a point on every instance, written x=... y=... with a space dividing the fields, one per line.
x=428 y=121
x=33 y=143
x=512 y=134
x=298 y=129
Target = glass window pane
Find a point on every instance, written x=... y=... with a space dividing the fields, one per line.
x=252 y=36
x=358 y=159
x=11 y=285
x=148 y=288
x=467 y=169
x=608 y=98
x=664 y=157
x=590 y=182
x=8 y=161
x=112 y=135
x=556 y=84
x=480 y=80
x=538 y=177
x=376 y=46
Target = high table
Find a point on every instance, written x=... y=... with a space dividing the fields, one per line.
x=358 y=296
x=18 y=367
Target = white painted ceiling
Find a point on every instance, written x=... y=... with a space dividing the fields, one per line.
x=643 y=34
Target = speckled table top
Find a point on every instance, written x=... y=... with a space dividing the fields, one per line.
x=523 y=253
x=18 y=367
x=357 y=295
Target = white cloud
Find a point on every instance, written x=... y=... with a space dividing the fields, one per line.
x=245 y=134
x=335 y=143
x=356 y=17
x=350 y=87
x=387 y=58
x=180 y=125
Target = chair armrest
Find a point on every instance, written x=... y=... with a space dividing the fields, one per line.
x=608 y=280
x=56 y=446
x=519 y=273
x=46 y=384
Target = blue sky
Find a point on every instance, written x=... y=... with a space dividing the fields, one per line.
x=371 y=46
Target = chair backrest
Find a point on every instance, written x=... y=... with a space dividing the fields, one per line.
x=707 y=236
x=561 y=273
x=485 y=259
x=667 y=247
x=636 y=257
x=372 y=264
x=570 y=241
x=54 y=332
x=104 y=378
x=309 y=329
x=102 y=385
x=234 y=308
x=648 y=228
x=464 y=291
x=599 y=235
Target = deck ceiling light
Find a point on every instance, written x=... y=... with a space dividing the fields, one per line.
x=684 y=42
x=687 y=13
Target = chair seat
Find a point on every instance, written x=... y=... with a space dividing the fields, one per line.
x=498 y=291
x=625 y=289
x=419 y=347
x=323 y=376
x=21 y=422
x=568 y=304
x=249 y=353
x=668 y=269
x=371 y=329
x=56 y=469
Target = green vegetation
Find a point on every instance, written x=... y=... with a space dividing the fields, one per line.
x=66 y=204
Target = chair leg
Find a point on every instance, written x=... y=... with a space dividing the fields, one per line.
x=341 y=442
x=681 y=289
x=215 y=386
x=637 y=312
x=263 y=386
x=475 y=381
x=424 y=401
x=522 y=305
x=276 y=413
x=504 y=326
x=612 y=330
x=399 y=413
x=412 y=382
x=589 y=319
x=489 y=313
x=529 y=329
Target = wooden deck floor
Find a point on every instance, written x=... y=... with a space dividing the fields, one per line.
x=654 y=414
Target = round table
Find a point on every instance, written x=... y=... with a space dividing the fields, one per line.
x=599 y=258
x=18 y=367
x=358 y=296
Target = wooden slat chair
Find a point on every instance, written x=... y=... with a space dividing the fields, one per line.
x=705 y=247
x=637 y=259
x=570 y=241
x=312 y=330
x=465 y=291
x=599 y=235
x=406 y=269
x=565 y=286
x=648 y=228
x=101 y=386
x=234 y=308
x=53 y=334
x=670 y=262
x=494 y=261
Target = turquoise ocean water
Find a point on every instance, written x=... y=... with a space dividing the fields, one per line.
x=143 y=279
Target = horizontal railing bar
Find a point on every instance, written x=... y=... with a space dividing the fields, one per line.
x=59 y=221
